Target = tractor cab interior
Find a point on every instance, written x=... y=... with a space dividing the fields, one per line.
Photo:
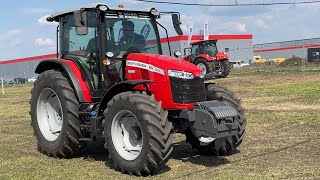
x=128 y=35
x=131 y=35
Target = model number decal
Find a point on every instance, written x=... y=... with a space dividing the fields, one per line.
x=131 y=71
x=145 y=66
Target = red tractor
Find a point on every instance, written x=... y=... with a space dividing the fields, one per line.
x=110 y=81
x=205 y=55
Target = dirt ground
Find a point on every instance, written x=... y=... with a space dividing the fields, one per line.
x=282 y=140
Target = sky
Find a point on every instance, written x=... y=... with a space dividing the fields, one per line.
x=24 y=31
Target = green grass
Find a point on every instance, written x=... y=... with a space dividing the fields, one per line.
x=265 y=70
x=282 y=140
x=302 y=89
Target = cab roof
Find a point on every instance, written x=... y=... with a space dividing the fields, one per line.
x=204 y=41
x=56 y=15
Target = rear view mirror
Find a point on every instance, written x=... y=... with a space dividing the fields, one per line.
x=176 y=24
x=80 y=19
x=177 y=53
x=187 y=51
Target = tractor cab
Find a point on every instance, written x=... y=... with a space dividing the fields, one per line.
x=99 y=39
x=203 y=47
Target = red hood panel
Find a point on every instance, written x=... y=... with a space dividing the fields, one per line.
x=166 y=62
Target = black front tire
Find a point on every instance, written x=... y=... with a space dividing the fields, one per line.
x=67 y=142
x=221 y=146
x=224 y=67
x=156 y=132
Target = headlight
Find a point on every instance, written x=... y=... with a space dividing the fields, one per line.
x=180 y=74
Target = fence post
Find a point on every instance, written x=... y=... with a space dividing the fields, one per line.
x=303 y=59
x=260 y=64
x=2 y=86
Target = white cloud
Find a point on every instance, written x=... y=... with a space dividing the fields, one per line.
x=10 y=34
x=267 y=24
x=228 y=28
x=36 y=10
x=216 y=25
x=44 y=42
x=11 y=38
x=240 y=27
x=261 y=24
x=15 y=42
x=42 y=21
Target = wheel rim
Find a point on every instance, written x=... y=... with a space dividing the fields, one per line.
x=126 y=135
x=220 y=67
x=49 y=114
x=203 y=67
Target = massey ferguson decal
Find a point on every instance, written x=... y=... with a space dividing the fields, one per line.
x=145 y=66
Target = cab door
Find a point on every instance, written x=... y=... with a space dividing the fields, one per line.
x=83 y=48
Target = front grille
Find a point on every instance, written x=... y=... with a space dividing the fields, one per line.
x=187 y=90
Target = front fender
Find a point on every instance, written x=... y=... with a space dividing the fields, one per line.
x=220 y=56
x=205 y=56
x=119 y=88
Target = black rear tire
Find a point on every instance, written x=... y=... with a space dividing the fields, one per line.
x=156 y=133
x=67 y=143
x=221 y=146
x=208 y=64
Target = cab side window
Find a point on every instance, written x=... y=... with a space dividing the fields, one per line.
x=82 y=48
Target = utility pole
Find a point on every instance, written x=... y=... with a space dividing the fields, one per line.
x=25 y=78
x=303 y=63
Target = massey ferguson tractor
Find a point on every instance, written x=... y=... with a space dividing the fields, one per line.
x=110 y=81
x=205 y=55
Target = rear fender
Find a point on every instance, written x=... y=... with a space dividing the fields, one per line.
x=205 y=56
x=72 y=72
x=118 y=88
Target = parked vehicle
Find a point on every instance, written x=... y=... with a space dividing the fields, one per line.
x=18 y=80
x=33 y=79
x=239 y=63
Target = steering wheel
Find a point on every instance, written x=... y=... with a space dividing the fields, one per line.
x=133 y=49
x=118 y=49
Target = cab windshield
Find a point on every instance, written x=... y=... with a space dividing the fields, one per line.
x=131 y=35
x=204 y=48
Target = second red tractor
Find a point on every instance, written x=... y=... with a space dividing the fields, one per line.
x=205 y=55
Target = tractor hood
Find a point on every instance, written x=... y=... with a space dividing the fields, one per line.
x=165 y=62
